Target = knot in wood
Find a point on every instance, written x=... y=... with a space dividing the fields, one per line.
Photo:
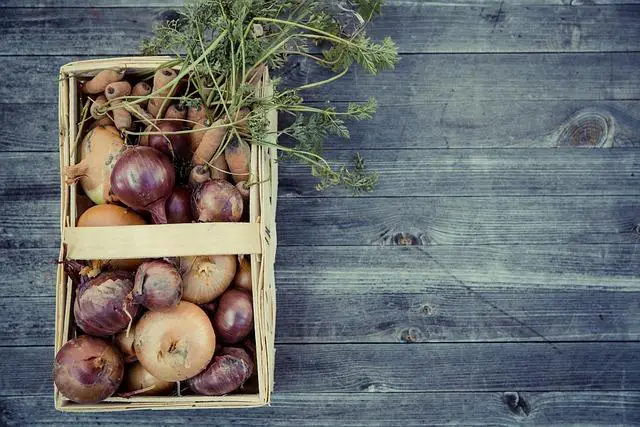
x=410 y=335
x=588 y=128
x=516 y=403
x=405 y=239
x=168 y=16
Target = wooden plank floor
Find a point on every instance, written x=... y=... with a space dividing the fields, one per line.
x=492 y=279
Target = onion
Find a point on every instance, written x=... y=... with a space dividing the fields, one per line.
x=198 y=175
x=206 y=277
x=216 y=201
x=227 y=372
x=104 y=305
x=139 y=382
x=124 y=343
x=178 y=206
x=234 y=317
x=143 y=178
x=112 y=215
x=170 y=144
x=88 y=370
x=175 y=344
x=209 y=308
x=99 y=151
x=242 y=279
x=157 y=285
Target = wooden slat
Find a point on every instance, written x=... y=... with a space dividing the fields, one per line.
x=397 y=367
x=417 y=79
x=416 y=28
x=28 y=272
x=372 y=409
x=432 y=124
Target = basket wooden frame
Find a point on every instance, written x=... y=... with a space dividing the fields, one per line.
x=257 y=238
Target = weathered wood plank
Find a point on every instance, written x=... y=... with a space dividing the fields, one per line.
x=33 y=221
x=398 y=368
x=424 y=28
x=28 y=272
x=372 y=409
x=417 y=79
x=432 y=124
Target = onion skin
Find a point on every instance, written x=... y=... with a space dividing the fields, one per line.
x=205 y=278
x=216 y=201
x=108 y=215
x=177 y=145
x=143 y=178
x=227 y=372
x=242 y=279
x=88 y=369
x=124 y=344
x=102 y=304
x=175 y=344
x=137 y=378
x=234 y=317
x=178 y=206
x=157 y=285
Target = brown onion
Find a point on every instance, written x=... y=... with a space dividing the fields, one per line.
x=157 y=285
x=227 y=372
x=88 y=370
x=178 y=206
x=234 y=317
x=139 y=382
x=175 y=344
x=216 y=201
x=198 y=175
x=242 y=279
x=206 y=277
x=143 y=178
x=124 y=343
x=104 y=305
x=171 y=144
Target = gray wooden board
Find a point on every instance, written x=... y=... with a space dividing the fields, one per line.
x=415 y=27
x=423 y=124
x=417 y=79
x=329 y=368
x=506 y=409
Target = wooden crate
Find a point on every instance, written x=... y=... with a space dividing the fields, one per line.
x=257 y=238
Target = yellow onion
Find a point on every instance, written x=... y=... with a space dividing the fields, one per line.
x=205 y=278
x=139 y=382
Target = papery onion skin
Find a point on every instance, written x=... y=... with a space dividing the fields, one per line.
x=137 y=379
x=205 y=278
x=234 y=317
x=124 y=343
x=242 y=279
x=104 y=305
x=175 y=344
x=157 y=285
x=88 y=369
x=143 y=178
x=216 y=201
x=178 y=206
x=177 y=144
x=227 y=372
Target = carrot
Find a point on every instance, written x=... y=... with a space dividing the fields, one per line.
x=244 y=189
x=100 y=81
x=117 y=90
x=160 y=80
x=238 y=157
x=102 y=121
x=220 y=169
x=195 y=114
x=211 y=140
x=175 y=111
x=121 y=117
x=196 y=137
x=99 y=102
x=141 y=89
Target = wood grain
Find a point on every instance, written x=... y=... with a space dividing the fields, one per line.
x=373 y=409
x=416 y=28
x=417 y=78
x=402 y=368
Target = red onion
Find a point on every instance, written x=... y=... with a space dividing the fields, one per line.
x=234 y=317
x=216 y=201
x=143 y=178
x=173 y=145
x=198 y=175
x=178 y=206
x=227 y=372
x=157 y=285
x=242 y=279
x=104 y=305
x=209 y=308
x=88 y=370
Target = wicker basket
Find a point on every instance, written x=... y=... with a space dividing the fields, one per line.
x=257 y=238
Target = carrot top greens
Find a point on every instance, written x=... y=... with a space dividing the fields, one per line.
x=223 y=47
